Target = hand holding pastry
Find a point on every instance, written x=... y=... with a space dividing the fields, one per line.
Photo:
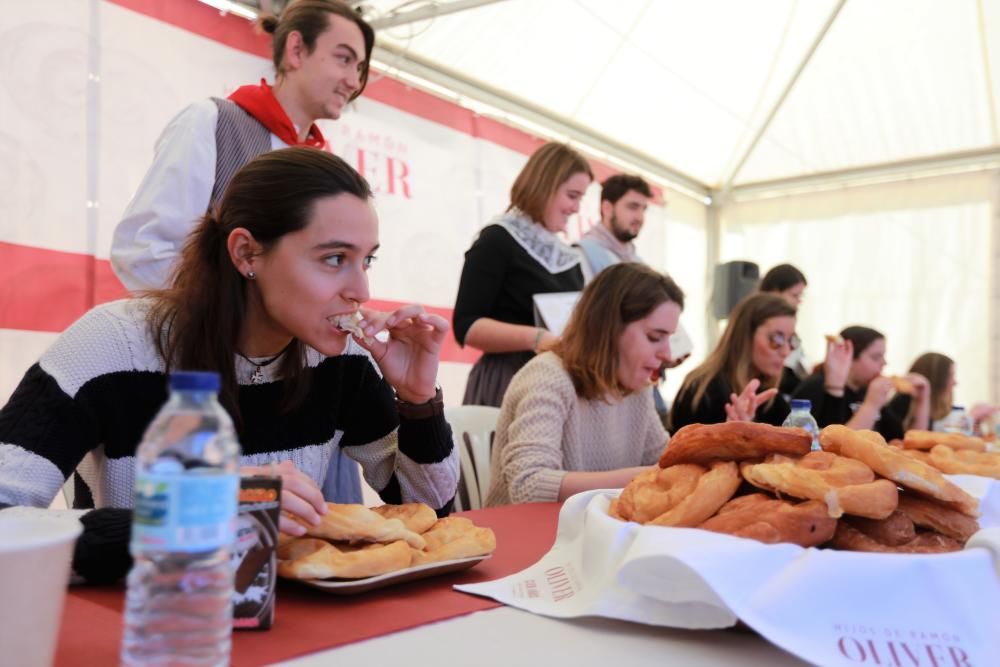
x=300 y=496
x=878 y=393
x=409 y=358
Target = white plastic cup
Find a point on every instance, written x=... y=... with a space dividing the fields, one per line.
x=35 y=557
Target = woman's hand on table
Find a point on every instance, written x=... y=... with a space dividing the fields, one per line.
x=300 y=497
x=742 y=407
x=409 y=358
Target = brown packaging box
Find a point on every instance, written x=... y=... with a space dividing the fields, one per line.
x=254 y=554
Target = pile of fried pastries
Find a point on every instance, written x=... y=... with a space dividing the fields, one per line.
x=763 y=482
x=354 y=542
x=951 y=453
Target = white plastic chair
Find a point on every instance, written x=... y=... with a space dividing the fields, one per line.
x=472 y=428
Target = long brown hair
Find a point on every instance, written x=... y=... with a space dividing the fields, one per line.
x=619 y=295
x=196 y=322
x=936 y=367
x=732 y=358
x=311 y=18
x=548 y=168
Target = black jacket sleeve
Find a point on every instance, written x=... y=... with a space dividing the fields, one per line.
x=483 y=275
x=826 y=408
x=711 y=409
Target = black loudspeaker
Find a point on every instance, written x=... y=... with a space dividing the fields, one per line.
x=733 y=281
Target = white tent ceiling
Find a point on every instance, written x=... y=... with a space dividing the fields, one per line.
x=720 y=94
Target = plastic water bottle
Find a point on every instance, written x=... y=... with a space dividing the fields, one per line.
x=957 y=421
x=178 y=609
x=801 y=417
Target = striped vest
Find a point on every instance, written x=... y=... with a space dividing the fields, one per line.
x=239 y=138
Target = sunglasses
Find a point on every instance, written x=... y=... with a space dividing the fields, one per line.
x=777 y=340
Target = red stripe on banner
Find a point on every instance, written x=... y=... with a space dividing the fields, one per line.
x=47 y=290
x=201 y=19
x=235 y=32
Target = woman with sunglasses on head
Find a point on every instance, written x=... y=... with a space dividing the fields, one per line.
x=519 y=254
x=580 y=416
x=261 y=294
x=850 y=389
x=749 y=357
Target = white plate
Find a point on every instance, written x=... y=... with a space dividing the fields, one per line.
x=355 y=586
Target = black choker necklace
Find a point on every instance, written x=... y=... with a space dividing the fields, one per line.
x=258 y=375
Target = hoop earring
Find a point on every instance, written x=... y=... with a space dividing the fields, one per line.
x=251 y=275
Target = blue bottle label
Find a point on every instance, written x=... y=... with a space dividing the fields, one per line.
x=184 y=512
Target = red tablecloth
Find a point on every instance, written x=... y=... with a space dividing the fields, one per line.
x=308 y=620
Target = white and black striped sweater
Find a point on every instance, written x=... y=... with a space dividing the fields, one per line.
x=86 y=403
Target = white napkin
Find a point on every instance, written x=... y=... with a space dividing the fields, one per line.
x=827 y=607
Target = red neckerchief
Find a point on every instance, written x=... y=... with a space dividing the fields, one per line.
x=260 y=102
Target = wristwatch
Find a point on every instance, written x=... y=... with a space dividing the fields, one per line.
x=435 y=406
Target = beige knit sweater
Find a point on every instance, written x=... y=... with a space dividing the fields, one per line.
x=545 y=430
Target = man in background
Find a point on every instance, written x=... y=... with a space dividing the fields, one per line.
x=624 y=200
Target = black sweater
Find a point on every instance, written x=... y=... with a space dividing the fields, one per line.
x=829 y=409
x=85 y=404
x=712 y=409
x=500 y=277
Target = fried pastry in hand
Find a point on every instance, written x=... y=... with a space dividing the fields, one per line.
x=902 y=386
x=733 y=441
x=454 y=537
x=357 y=523
x=849 y=538
x=311 y=558
x=769 y=520
x=870 y=448
x=843 y=485
x=417 y=517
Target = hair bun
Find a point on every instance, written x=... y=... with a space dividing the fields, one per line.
x=268 y=23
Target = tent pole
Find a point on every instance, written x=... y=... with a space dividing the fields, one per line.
x=993 y=332
x=713 y=238
x=447 y=82
x=784 y=95
x=979 y=159
x=984 y=52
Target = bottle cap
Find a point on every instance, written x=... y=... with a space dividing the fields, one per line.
x=801 y=404
x=194 y=381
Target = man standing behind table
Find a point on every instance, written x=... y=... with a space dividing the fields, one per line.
x=321 y=50
x=624 y=200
